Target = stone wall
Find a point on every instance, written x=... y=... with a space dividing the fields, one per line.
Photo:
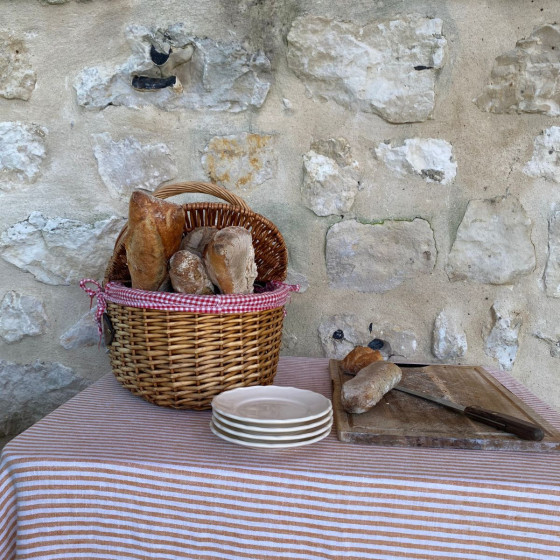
x=408 y=151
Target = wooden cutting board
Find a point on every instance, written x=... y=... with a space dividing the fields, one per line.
x=405 y=421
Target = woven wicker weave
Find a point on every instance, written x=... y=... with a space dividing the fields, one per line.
x=182 y=360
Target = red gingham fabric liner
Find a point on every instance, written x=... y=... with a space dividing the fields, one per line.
x=276 y=294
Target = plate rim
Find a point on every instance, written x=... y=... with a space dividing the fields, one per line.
x=274 y=388
x=273 y=437
x=272 y=428
x=279 y=445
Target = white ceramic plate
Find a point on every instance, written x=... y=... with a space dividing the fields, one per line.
x=271 y=437
x=271 y=404
x=267 y=445
x=295 y=427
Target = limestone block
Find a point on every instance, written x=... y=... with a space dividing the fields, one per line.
x=82 y=334
x=198 y=73
x=326 y=188
x=126 y=164
x=337 y=149
x=430 y=158
x=525 y=79
x=20 y=316
x=552 y=269
x=493 y=243
x=30 y=391
x=449 y=340
x=546 y=156
x=398 y=342
x=240 y=161
x=378 y=257
x=60 y=251
x=22 y=151
x=17 y=78
x=553 y=341
x=340 y=334
x=384 y=67
x=501 y=334
x=330 y=177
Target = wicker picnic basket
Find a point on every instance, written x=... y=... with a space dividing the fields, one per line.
x=183 y=359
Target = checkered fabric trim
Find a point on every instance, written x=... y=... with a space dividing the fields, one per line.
x=275 y=294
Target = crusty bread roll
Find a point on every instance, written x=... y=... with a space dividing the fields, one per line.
x=197 y=239
x=359 y=358
x=188 y=274
x=154 y=232
x=366 y=389
x=230 y=260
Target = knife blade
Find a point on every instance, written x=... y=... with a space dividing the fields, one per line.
x=504 y=422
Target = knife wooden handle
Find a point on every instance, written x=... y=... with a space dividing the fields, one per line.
x=522 y=429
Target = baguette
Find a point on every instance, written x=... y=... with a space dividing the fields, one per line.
x=363 y=392
x=154 y=232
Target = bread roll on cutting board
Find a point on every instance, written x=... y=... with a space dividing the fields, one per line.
x=366 y=389
x=188 y=274
x=359 y=358
x=230 y=260
x=154 y=231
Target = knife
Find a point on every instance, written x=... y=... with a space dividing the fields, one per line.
x=522 y=429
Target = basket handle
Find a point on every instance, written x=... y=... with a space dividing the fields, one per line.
x=199 y=187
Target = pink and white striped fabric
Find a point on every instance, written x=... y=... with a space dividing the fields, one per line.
x=110 y=476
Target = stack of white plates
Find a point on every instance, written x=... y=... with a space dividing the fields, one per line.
x=271 y=417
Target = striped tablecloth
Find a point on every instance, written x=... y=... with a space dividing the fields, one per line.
x=110 y=476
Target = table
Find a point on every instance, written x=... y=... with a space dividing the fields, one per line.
x=110 y=476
